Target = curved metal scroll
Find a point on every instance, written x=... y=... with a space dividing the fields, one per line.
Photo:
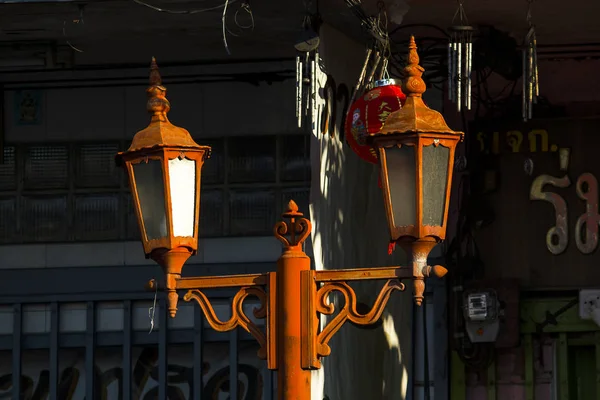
x=349 y=312
x=238 y=316
x=298 y=228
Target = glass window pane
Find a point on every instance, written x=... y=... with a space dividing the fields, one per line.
x=212 y=170
x=211 y=213
x=251 y=212
x=251 y=159
x=72 y=317
x=8 y=220
x=96 y=217
x=46 y=167
x=402 y=180
x=109 y=316
x=296 y=158
x=182 y=178
x=35 y=375
x=44 y=218
x=8 y=170
x=36 y=318
x=151 y=193
x=435 y=174
x=96 y=166
x=71 y=373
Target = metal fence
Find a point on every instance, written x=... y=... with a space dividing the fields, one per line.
x=101 y=347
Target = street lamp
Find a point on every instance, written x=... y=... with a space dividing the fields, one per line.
x=164 y=168
x=416 y=156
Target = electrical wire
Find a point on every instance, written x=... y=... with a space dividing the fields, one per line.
x=75 y=21
x=426 y=384
x=223 y=23
x=225 y=6
x=169 y=11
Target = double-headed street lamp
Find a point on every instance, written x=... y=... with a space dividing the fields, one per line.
x=416 y=153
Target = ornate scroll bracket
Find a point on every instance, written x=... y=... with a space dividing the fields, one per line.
x=316 y=288
x=298 y=228
x=238 y=315
x=348 y=312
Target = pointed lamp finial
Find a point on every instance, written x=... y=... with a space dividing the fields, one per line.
x=155 y=79
x=413 y=85
x=161 y=132
x=414 y=116
x=157 y=105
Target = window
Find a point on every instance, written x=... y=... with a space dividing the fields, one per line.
x=73 y=192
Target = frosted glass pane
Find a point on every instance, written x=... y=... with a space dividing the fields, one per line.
x=435 y=177
x=150 y=188
x=72 y=317
x=182 y=174
x=109 y=316
x=402 y=180
x=36 y=318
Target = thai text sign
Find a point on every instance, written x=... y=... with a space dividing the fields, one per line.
x=544 y=198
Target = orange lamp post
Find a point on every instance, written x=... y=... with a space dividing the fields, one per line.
x=164 y=167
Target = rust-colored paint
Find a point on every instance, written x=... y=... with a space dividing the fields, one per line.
x=418 y=126
x=162 y=141
x=291 y=298
x=293 y=381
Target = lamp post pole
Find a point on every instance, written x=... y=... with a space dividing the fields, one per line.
x=416 y=154
x=293 y=382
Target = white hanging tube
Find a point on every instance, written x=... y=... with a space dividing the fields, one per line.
x=459 y=77
x=469 y=61
x=450 y=68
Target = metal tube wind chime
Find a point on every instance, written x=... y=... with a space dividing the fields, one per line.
x=309 y=77
x=531 y=89
x=460 y=61
x=375 y=68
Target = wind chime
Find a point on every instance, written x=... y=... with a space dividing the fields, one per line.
x=531 y=89
x=308 y=76
x=460 y=60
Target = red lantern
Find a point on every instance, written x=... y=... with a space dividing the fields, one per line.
x=368 y=113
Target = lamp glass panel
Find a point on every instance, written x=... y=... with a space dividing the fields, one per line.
x=151 y=193
x=182 y=177
x=401 y=170
x=435 y=181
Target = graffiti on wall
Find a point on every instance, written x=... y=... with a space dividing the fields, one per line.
x=108 y=374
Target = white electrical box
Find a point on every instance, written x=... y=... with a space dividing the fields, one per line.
x=589 y=299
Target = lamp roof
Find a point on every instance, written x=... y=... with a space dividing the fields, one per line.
x=414 y=116
x=160 y=133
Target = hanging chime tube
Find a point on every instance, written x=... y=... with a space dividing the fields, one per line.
x=361 y=78
x=314 y=91
x=373 y=68
x=531 y=88
x=459 y=75
x=450 y=71
x=524 y=99
x=299 y=91
x=460 y=65
x=469 y=69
